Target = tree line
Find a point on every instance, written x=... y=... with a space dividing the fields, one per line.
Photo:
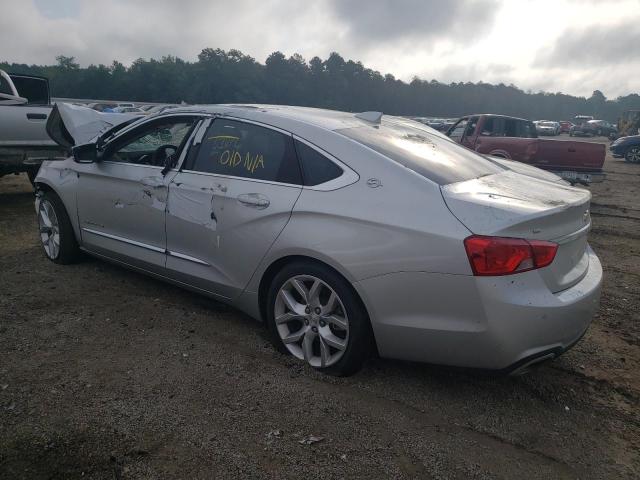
x=220 y=76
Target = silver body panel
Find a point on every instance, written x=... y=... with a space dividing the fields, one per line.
x=396 y=236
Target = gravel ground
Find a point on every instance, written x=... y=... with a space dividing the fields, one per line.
x=107 y=374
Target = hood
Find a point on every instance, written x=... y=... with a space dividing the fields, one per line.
x=70 y=125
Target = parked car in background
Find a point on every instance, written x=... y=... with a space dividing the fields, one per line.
x=260 y=208
x=547 y=127
x=129 y=110
x=582 y=127
x=627 y=148
x=603 y=128
x=516 y=139
x=160 y=108
x=565 y=126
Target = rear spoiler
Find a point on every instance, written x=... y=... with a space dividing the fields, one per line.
x=69 y=125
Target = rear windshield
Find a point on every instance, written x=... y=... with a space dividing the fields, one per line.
x=432 y=156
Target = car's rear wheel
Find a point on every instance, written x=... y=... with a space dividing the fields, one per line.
x=632 y=155
x=314 y=315
x=56 y=232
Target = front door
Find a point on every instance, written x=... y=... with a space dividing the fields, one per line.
x=229 y=203
x=122 y=198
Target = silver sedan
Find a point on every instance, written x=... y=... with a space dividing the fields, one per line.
x=348 y=234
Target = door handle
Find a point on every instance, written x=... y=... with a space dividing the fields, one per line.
x=255 y=200
x=36 y=116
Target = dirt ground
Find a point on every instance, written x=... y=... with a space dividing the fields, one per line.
x=107 y=374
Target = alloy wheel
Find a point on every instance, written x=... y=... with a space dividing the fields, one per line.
x=311 y=321
x=633 y=155
x=49 y=229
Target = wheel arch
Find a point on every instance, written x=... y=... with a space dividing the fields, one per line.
x=278 y=264
x=501 y=154
x=46 y=187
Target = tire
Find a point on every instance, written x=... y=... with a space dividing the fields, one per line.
x=313 y=339
x=632 y=155
x=56 y=233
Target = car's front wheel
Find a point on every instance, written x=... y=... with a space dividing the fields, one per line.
x=633 y=155
x=314 y=314
x=56 y=232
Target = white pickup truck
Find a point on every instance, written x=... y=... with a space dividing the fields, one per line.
x=25 y=106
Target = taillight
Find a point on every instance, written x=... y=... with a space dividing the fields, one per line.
x=505 y=256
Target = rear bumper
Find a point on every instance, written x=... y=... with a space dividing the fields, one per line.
x=584 y=178
x=497 y=323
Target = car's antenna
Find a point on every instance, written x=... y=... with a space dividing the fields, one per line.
x=373 y=117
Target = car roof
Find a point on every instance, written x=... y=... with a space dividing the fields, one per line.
x=277 y=115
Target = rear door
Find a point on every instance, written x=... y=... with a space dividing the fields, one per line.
x=122 y=198
x=229 y=203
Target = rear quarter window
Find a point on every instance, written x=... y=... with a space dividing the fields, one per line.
x=440 y=160
x=316 y=168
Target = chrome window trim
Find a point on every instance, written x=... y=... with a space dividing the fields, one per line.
x=188 y=144
x=112 y=162
x=348 y=177
x=144 y=121
x=124 y=240
x=232 y=177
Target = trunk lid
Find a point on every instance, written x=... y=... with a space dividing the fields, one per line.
x=509 y=204
x=70 y=125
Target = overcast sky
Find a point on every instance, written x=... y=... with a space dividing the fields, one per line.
x=573 y=46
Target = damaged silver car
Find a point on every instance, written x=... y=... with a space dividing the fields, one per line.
x=346 y=233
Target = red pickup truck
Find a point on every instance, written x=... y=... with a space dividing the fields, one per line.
x=516 y=139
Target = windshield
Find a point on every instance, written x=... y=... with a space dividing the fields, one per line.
x=432 y=156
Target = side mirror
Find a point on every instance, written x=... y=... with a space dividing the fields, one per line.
x=86 y=153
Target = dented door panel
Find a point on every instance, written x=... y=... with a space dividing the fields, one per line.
x=121 y=212
x=219 y=228
x=194 y=209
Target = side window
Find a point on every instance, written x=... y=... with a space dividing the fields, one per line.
x=458 y=130
x=316 y=168
x=511 y=128
x=526 y=129
x=471 y=126
x=246 y=150
x=493 y=127
x=153 y=144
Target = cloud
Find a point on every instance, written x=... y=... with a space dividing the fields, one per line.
x=382 y=21
x=522 y=42
x=594 y=45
